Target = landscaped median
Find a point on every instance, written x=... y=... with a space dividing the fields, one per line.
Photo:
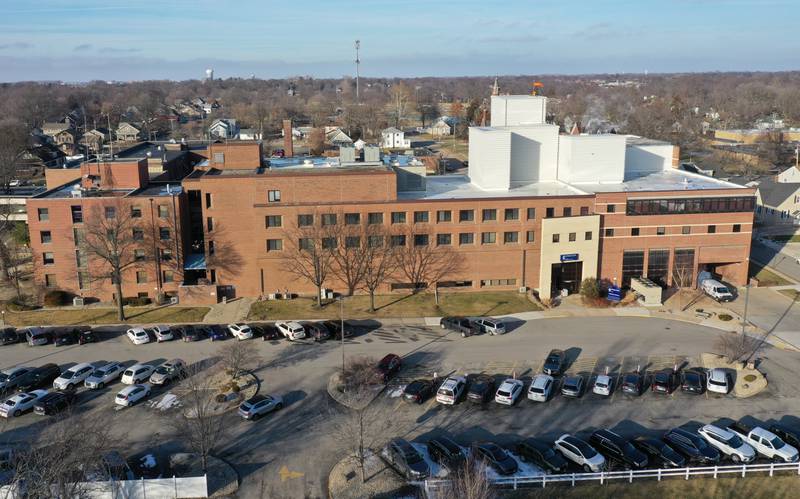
x=96 y=315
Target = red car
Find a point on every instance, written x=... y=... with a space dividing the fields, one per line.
x=388 y=366
x=278 y=153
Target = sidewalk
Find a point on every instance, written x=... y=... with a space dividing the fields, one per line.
x=230 y=312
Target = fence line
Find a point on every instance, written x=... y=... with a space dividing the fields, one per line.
x=155 y=488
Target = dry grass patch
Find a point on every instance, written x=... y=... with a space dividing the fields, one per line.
x=57 y=317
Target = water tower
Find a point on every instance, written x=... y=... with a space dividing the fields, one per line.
x=209 y=74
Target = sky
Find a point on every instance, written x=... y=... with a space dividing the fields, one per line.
x=81 y=40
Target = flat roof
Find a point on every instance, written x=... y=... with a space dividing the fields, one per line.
x=151 y=190
x=666 y=180
x=460 y=187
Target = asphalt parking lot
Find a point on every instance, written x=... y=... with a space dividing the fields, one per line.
x=289 y=453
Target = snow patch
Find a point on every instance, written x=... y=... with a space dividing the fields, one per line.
x=168 y=401
x=148 y=461
x=396 y=392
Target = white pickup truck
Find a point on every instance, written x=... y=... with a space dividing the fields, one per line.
x=765 y=442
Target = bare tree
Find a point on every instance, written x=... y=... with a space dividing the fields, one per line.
x=737 y=346
x=470 y=482
x=350 y=255
x=13 y=144
x=421 y=263
x=238 y=356
x=380 y=261
x=359 y=374
x=401 y=96
x=309 y=252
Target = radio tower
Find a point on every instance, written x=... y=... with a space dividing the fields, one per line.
x=358 y=46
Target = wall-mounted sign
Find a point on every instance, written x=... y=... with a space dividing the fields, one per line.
x=569 y=257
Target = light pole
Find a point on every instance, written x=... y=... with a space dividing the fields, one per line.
x=746 y=299
x=341 y=325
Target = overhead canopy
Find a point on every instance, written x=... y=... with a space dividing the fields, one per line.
x=195 y=261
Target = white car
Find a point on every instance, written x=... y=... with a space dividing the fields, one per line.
x=73 y=376
x=719 y=381
x=603 y=385
x=137 y=373
x=131 y=394
x=162 y=333
x=541 y=388
x=103 y=375
x=451 y=390
x=728 y=443
x=509 y=391
x=291 y=330
x=240 y=331
x=138 y=336
x=20 y=403
x=580 y=453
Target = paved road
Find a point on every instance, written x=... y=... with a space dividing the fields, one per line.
x=775 y=258
x=290 y=453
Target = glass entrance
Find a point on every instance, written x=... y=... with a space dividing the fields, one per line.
x=566 y=275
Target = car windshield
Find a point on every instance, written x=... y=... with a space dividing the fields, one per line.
x=68 y=374
x=446 y=391
x=3 y=377
x=503 y=393
x=553 y=359
x=496 y=452
x=162 y=370
x=535 y=389
x=717 y=382
x=479 y=385
x=692 y=378
x=571 y=383
x=586 y=450
x=10 y=402
x=631 y=379
x=99 y=372
x=412 y=456
x=721 y=290
x=601 y=384
x=777 y=443
x=662 y=377
x=734 y=441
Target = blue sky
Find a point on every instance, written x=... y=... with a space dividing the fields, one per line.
x=77 y=40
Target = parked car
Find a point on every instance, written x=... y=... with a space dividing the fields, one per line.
x=665 y=381
x=36 y=336
x=542 y=455
x=9 y=336
x=87 y=336
x=603 y=385
x=418 y=390
x=267 y=332
x=481 y=389
x=138 y=335
x=494 y=456
x=316 y=330
x=190 y=333
x=63 y=337
x=728 y=443
x=459 y=324
x=168 y=372
x=21 y=402
x=406 y=459
x=161 y=333
x=658 y=450
x=633 y=383
x=719 y=381
x=716 y=290
x=74 y=376
x=619 y=449
x=240 y=331
x=10 y=378
x=388 y=367
x=53 y=402
x=490 y=325
x=336 y=330
x=541 y=388
x=104 y=375
x=38 y=377
x=446 y=453
x=137 y=373
x=509 y=391
x=786 y=434
x=215 y=332
x=554 y=363
x=451 y=390
x=129 y=395
x=691 y=445
x=572 y=386
x=259 y=405
x=291 y=330
x=693 y=381
x=765 y=442
x=580 y=453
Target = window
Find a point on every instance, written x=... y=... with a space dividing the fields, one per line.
x=139 y=255
x=443 y=239
x=168 y=276
x=375 y=218
x=274 y=244
x=683 y=268
x=44 y=214
x=219 y=157
x=420 y=239
x=329 y=243
x=489 y=215
x=375 y=241
x=208 y=200
x=136 y=212
x=398 y=217
x=658 y=266
x=164 y=234
x=584 y=210
x=50 y=281
x=498 y=282
x=635 y=231
x=274 y=196
x=163 y=211
x=531 y=213
x=686 y=230
x=328 y=219
x=420 y=217
x=305 y=243
x=305 y=220
x=77 y=214
x=488 y=237
x=466 y=238
x=166 y=255
x=80 y=259
x=611 y=208
x=511 y=214
x=352 y=218
x=209 y=224
x=211 y=248
x=632 y=265
x=737 y=227
x=712 y=229
x=609 y=232
x=141 y=277
x=510 y=237
x=673 y=206
x=587 y=236
x=274 y=221
x=550 y=213
x=556 y=238
x=398 y=240
x=660 y=231
x=48 y=258
x=530 y=236
x=138 y=235
x=572 y=237
x=110 y=213
x=352 y=242
x=45 y=237
x=466 y=215
x=444 y=216
x=83 y=280
x=567 y=212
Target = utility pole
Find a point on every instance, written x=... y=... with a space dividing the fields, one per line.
x=358 y=62
x=341 y=317
x=746 y=300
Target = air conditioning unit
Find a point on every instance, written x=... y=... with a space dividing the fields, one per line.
x=523 y=289
x=173 y=300
x=77 y=301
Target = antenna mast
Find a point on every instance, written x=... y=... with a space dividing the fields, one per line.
x=358 y=61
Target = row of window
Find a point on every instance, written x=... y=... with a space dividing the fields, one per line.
x=658 y=266
x=110 y=213
x=573 y=236
x=50 y=280
x=464 y=238
x=139 y=255
x=661 y=231
x=678 y=206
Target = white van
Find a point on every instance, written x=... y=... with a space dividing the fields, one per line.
x=717 y=290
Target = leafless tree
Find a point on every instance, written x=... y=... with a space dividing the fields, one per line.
x=470 y=482
x=682 y=279
x=351 y=254
x=401 y=98
x=736 y=346
x=309 y=251
x=359 y=374
x=238 y=356
x=13 y=144
x=380 y=261
x=422 y=263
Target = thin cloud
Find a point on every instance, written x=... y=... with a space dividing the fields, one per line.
x=82 y=47
x=15 y=45
x=512 y=39
x=116 y=50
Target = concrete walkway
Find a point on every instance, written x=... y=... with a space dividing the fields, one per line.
x=230 y=312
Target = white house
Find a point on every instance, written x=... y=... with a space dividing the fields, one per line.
x=441 y=128
x=337 y=137
x=249 y=134
x=393 y=138
x=224 y=129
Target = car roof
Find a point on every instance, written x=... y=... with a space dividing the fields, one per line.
x=447 y=443
x=537 y=444
x=606 y=433
x=717 y=374
x=80 y=366
x=136 y=366
x=511 y=381
x=603 y=377
x=256 y=399
x=573 y=379
x=717 y=431
x=541 y=379
x=12 y=370
x=137 y=329
x=130 y=388
x=452 y=380
x=556 y=351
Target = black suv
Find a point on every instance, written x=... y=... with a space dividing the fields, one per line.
x=407 y=459
x=542 y=455
x=481 y=389
x=657 y=450
x=789 y=436
x=459 y=324
x=446 y=453
x=554 y=363
x=8 y=336
x=53 y=403
x=335 y=328
x=691 y=445
x=494 y=455
x=418 y=390
x=65 y=337
x=39 y=377
x=316 y=330
x=633 y=383
x=693 y=381
x=665 y=381
x=618 y=449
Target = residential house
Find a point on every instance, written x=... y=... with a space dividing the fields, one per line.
x=128 y=132
x=249 y=134
x=224 y=128
x=776 y=202
x=441 y=128
x=337 y=137
x=392 y=138
x=94 y=139
x=791 y=174
x=66 y=140
x=51 y=129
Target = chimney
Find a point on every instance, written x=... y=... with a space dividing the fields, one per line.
x=288 y=139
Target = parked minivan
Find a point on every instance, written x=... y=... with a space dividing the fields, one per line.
x=717 y=290
x=37 y=336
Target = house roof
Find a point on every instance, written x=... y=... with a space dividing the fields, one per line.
x=125 y=124
x=391 y=129
x=775 y=193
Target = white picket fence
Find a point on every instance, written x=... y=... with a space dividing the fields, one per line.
x=431 y=487
x=156 y=488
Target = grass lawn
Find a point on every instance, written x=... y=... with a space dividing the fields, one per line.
x=419 y=305
x=792 y=294
x=750 y=487
x=135 y=315
x=766 y=277
x=790 y=239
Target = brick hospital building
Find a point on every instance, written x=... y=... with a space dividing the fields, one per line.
x=538 y=209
